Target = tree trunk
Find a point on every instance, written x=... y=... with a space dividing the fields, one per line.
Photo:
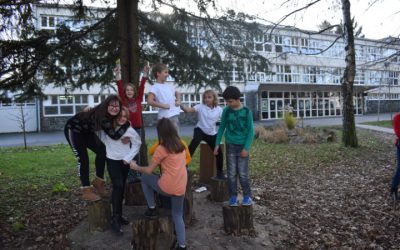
x=207 y=163
x=238 y=220
x=152 y=234
x=219 y=190
x=134 y=195
x=99 y=215
x=349 y=129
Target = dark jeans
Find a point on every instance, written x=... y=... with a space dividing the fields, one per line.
x=118 y=172
x=396 y=176
x=149 y=185
x=237 y=166
x=198 y=136
x=79 y=143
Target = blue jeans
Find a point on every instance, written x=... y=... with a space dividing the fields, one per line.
x=149 y=185
x=237 y=166
x=396 y=176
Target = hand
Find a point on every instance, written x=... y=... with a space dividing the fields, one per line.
x=86 y=109
x=165 y=106
x=133 y=165
x=125 y=162
x=216 y=150
x=177 y=103
x=145 y=70
x=117 y=72
x=244 y=153
x=125 y=140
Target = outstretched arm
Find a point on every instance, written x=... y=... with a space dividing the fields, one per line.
x=152 y=102
x=188 y=109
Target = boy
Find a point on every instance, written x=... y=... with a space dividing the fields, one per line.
x=164 y=96
x=237 y=124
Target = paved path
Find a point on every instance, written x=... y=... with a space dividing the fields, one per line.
x=57 y=137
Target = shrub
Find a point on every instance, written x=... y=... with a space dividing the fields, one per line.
x=59 y=188
x=290 y=121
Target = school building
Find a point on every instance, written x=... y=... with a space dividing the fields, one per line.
x=304 y=75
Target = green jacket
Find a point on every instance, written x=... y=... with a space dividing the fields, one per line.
x=238 y=127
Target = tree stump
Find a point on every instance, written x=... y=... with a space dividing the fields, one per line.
x=219 y=190
x=207 y=162
x=238 y=220
x=188 y=203
x=134 y=195
x=153 y=234
x=99 y=215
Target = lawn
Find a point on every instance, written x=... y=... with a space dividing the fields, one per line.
x=41 y=198
x=386 y=124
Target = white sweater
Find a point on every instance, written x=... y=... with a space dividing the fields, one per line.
x=116 y=150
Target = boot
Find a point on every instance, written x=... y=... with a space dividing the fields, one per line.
x=116 y=225
x=100 y=185
x=88 y=194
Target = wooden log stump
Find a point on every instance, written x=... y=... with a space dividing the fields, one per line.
x=99 y=215
x=134 y=195
x=207 y=163
x=153 y=234
x=219 y=190
x=188 y=203
x=238 y=220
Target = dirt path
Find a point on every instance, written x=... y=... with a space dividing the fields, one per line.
x=205 y=232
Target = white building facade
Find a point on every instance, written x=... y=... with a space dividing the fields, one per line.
x=304 y=75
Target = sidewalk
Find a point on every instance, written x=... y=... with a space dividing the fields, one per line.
x=57 y=137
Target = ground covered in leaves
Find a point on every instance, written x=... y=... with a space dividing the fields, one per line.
x=307 y=197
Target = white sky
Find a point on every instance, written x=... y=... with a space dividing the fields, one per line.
x=379 y=21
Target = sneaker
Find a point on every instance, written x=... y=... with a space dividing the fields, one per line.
x=246 y=201
x=233 y=201
x=123 y=221
x=151 y=213
x=116 y=225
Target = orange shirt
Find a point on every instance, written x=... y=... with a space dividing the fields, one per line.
x=188 y=157
x=173 y=168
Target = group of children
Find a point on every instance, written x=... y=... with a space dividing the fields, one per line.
x=111 y=131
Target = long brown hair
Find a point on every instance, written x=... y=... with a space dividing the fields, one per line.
x=168 y=136
x=134 y=90
x=100 y=112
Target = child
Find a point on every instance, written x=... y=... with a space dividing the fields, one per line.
x=119 y=156
x=396 y=178
x=164 y=96
x=80 y=132
x=208 y=114
x=237 y=124
x=133 y=101
x=170 y=155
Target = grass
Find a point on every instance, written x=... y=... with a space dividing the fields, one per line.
x=41 y=172
x=386 y=124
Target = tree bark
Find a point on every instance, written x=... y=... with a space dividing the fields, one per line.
x=151 y=234
x=349 y=129
x=219 y=190
x=99 y=215
x=134 y=195
x=238 y=220
x=207 y=163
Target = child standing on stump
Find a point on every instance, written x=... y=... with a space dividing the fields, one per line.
x=164 y=96
x=208 y=114
x=396 y=177
x=132 y=99
x=237 y=125
x=171 y=157
x=119 y=156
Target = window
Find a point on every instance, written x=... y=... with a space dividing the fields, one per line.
x=59 y=105
x=190 y=100
x=393 y=78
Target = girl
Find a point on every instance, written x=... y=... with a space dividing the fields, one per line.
x=396 y=177
x=170 y=155
x=119 y=156
x=133 y=101
x=80 y=132
x=208 y=114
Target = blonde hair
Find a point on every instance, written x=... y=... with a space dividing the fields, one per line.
x=214 y=94
x=121 y=113
x=133 y=87
x=158 y=68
